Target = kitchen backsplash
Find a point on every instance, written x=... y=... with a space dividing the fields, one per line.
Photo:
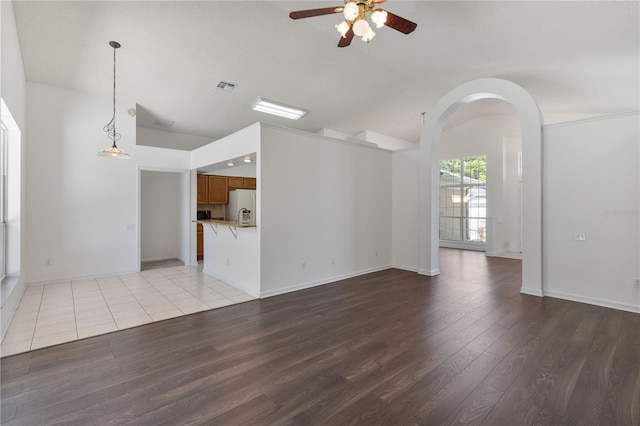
x=217 y=211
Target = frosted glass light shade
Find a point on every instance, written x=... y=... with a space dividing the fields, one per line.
x=342 y=28
x=114 y=152
x=379 y=17
x=351 y=11
x=368 y=36
x=361 y=27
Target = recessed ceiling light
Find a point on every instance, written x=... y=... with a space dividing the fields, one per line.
x=247 y=160
x=230 y=163
x=281 y=110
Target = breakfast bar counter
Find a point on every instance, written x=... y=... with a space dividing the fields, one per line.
x=232 y=256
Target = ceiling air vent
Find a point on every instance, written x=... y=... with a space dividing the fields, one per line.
x=226 y=86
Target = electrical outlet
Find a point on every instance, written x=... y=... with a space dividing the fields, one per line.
x=47 y=262
x=581 y=236
x=130 y=227
x=303 y=265
x=228 y=261
x=637 y=284
x=333 y=260
x=376 y=253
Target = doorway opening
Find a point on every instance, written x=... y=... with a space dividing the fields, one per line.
x=531 y=129
x=164 y=219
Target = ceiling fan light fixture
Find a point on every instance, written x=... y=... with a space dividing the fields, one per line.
x=368 y=36
x=351 y=11
x=361 y=27
x=281 y=110
x=342 y=28
x=379 y=17
x=356 y=14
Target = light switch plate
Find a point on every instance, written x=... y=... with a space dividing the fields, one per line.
x=581 y=236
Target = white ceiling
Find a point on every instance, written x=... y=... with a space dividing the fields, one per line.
x=573 y=57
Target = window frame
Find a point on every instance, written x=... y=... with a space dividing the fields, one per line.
x=460 y=211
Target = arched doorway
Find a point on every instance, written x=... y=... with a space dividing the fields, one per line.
x=531 y=119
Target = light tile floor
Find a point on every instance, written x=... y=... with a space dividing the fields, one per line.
x=50 y=314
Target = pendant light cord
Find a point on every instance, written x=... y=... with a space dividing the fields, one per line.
x=114 y=89
x=110 y=128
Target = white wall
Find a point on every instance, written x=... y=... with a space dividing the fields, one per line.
x=162 y=159
x=405 y=208
x=82 y=206
x=509 y=230
x=321 y=199
x=244 y=170
x=384 y=141
x=184 y=238
x=170 y=140
x=590 y=184
x=241 y=143
x=13 y=94
x=160 y=218
x=233 y=259
x=86 y=209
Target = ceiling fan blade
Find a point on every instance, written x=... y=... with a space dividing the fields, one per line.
x=398 y=23
x=298 y=14
x=346 y=40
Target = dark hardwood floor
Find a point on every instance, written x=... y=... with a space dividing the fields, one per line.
x=391 y=347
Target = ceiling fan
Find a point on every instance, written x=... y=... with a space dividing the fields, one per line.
x=355 y=23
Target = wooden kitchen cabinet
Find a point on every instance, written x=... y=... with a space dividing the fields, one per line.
x=249 y=183
x=218 y=190
x=203 y=189
x=200 y=242
x=237 y=182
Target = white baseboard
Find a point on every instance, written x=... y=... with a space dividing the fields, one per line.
x=532 y=291
x=82 y=277
x=405 y=268
x=512 y=255
x=593 y=301
x=158 y=259
x=312 y=284
x=430 y=273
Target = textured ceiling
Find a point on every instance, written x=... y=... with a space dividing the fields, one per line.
x=573 y=57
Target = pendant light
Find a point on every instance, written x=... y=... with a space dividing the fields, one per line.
x=110 y=128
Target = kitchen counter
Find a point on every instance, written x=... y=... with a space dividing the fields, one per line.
x=225 y=223
x=231 y=253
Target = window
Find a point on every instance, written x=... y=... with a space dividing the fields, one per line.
x=4 y=143
x=463 y=202
x=10 y=195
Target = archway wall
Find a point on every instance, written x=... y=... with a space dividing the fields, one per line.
x=531 y=121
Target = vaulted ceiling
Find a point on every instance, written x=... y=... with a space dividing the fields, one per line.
x=573 y=57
